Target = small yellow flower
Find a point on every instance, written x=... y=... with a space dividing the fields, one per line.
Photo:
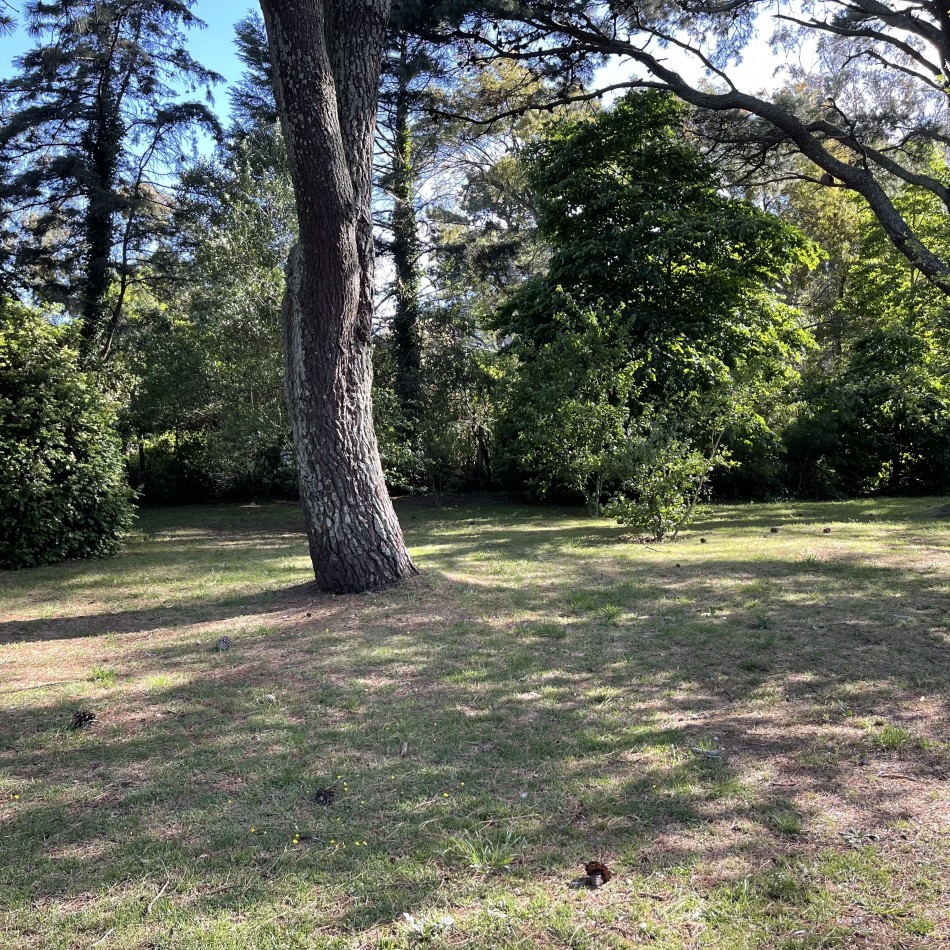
x=445 y=794
x=253 y=830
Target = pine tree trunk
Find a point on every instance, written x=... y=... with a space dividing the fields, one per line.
x=103 y=164
x=407 y=343
x=326 y=56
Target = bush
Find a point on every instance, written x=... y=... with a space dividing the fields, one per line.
x=666 y=478
x=882 y=425
x=192 y=468
x=63 y=492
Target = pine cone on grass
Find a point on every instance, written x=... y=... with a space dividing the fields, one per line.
x=82 y=719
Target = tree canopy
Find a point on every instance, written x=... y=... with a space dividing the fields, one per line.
x=659 y=298
x=862 y=116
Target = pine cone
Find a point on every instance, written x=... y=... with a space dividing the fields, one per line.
x=597 y=873
x=82 y=718
x=325 y=797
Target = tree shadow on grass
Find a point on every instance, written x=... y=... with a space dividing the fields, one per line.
x=260 y=605
x=171 y=786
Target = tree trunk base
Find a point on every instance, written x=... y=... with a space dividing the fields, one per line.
x=356 y=542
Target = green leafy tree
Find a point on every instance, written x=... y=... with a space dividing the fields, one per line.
x=63 y=492
x=202 y=361
x=659 y=292
x=882 y=424
x=861 y=117
x=233 y=305
x=570 y=405
x=482 y=244
x=205 y=358
x=877 y=413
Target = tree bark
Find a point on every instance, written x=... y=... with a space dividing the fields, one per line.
x=103 y=164
x=405 y=250
x=326 y=56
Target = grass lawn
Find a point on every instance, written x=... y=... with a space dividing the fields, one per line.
x=751 y=732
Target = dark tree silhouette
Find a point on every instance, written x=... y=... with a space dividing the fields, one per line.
x=94 y=122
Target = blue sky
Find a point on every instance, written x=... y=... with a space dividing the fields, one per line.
x=212 y=47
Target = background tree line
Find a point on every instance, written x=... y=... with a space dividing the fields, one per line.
x=633 y=304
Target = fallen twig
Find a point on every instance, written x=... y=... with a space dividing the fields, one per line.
x=23 y=689
x=156 y=898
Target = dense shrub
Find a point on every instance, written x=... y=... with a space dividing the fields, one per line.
x=191 y=469
x=881 y=425
x=667 y=477
x=63 y=492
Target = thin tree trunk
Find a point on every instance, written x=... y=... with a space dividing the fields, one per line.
x=105 y=143
x=598 y=491
x=713 y=452
x=99 y=234
x=326 y=56
x=405 y=250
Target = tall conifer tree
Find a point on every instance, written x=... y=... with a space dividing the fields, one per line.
x=94 y=125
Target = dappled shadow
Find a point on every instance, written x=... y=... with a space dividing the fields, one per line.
x=261 y=605
x=714 y=707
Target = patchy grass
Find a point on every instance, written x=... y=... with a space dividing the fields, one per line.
x=751 y=732
x=103 y=676
x=893 y=738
